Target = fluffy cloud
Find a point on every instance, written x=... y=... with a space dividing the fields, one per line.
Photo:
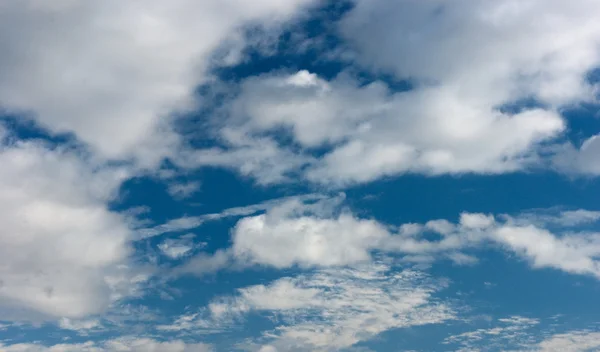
x=583 y=160
x=111 y=72
x=473 y=65
x=179 y=247
x=571 y=253
x=281 y=239
x=331 y=309
x=323 y=234
x=485 y=54
x=490 y=53
x=117 y=345
x=573 y=341
x=386 y=133
x=62 y=252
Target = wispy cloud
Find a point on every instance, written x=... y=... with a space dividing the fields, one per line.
x=331 y=309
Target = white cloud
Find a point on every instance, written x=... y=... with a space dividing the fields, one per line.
x=62 y=252
x=476 y=221
x=81 y=326
x=574 y=341
x=205 y=263
x=486 y=53
x=190 y=222
x=571 y=253
x=175 y=248
x=577 y=217
x=282 y=240
x=467 y=61
x=322 y=234
x=519 y=333
x=583 y=160
x=554 y=217
x=112 y=71
x=331 y=309
x=513 y=331
x=183 y=190
x=117 y=345
x=424 y=130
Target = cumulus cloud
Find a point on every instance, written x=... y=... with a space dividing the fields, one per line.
x=492 y=52
x=63 y=253
x=112 y=72
x=571 y=253
x=573 y=341
x=472 y=66
x=117 y=345
x=324 y=234
x=332 y=309
x=175 y=248
x=283 y=241
x=384 y=133
x=583 y=160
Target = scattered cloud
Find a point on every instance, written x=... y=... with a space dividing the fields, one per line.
x=191 y=222
x=331 y=309
x=81 y=326
x=514 y=332
x=116 y=345
x=573 y=341
x=322 y=234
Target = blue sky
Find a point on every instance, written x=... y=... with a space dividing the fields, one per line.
x=299 y=175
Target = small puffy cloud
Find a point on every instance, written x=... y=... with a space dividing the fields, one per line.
x=176 y=248
x=183 y=190
x=284 y=241
x=476 y=221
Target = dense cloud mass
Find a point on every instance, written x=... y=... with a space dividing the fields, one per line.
x=60 y=247
x=112 y=72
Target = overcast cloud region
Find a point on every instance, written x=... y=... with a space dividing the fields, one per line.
x=299 y=175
